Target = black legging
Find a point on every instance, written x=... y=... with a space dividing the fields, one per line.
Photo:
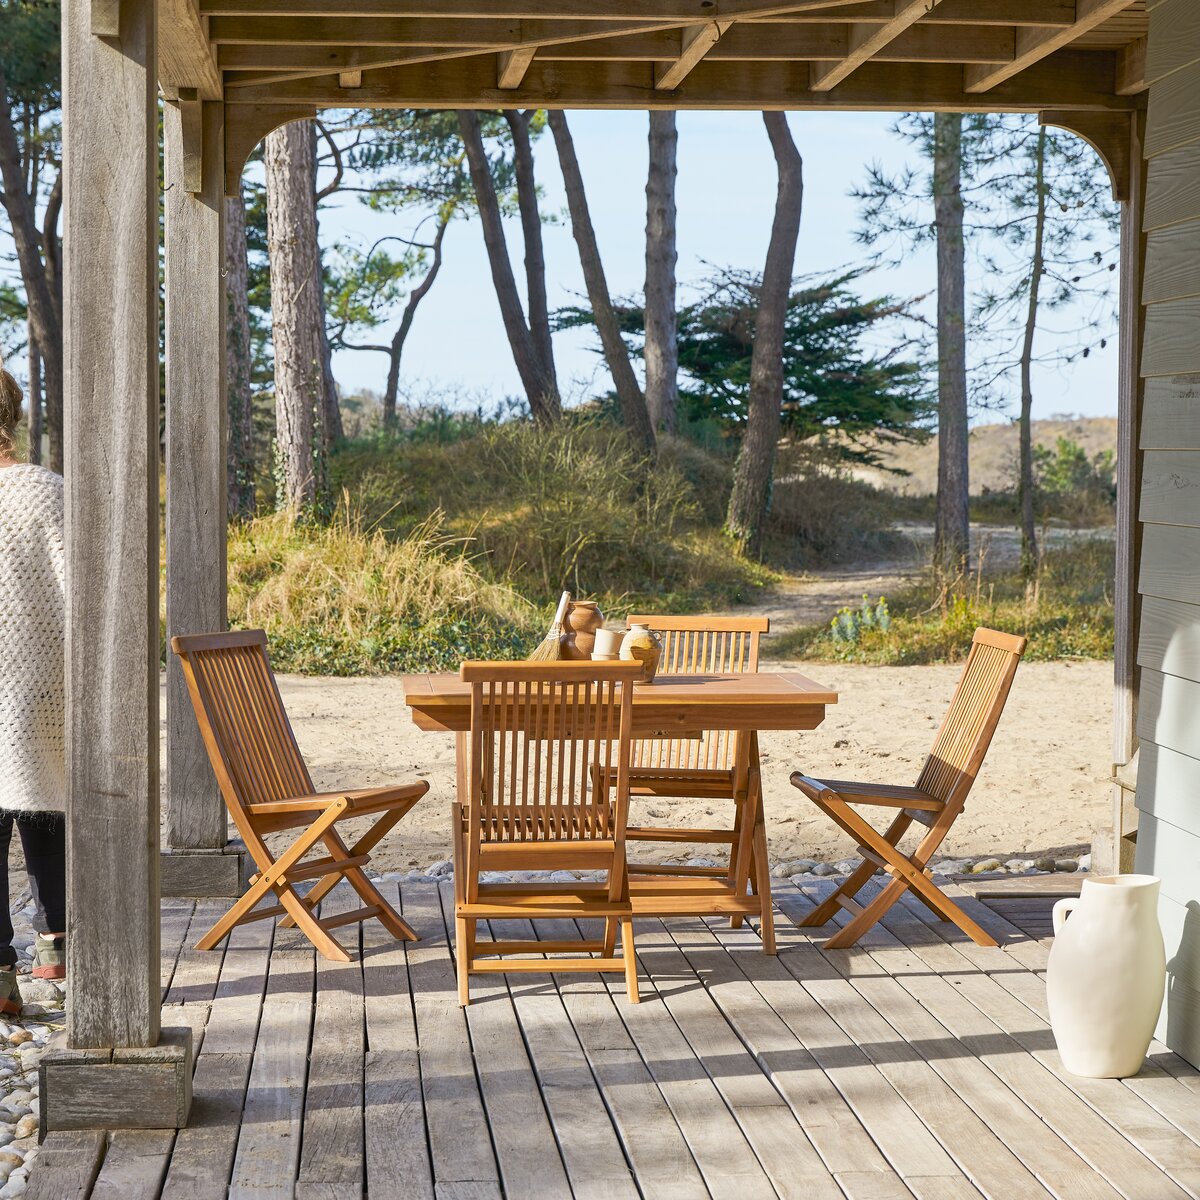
x=44 y=841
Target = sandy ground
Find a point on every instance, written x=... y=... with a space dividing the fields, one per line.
x=1043 y=789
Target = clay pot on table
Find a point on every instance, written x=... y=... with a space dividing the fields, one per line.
x=579 y=629
x=642 y=644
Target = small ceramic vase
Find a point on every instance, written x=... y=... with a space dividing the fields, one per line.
x=579 y=629
x=642 y=644
x=1106 y=974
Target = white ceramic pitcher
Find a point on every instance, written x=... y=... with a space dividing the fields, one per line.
x=1106 y=975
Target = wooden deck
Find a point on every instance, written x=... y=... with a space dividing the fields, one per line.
x=916 y=1064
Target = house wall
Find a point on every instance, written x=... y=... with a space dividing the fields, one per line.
x=1168 y=710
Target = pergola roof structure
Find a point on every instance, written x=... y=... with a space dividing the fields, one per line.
x=1125 y=74
x=264 y=56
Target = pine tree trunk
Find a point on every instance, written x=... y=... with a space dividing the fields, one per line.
x=540 y=391
x=1029 y=548
x=661 y=350
x=531 y=230
x=297 y=317
x=401 y=335
x=951 y=541
x=616 y=353
x=239 y=396
x=33 y=402
x=44 y=313
x=755 y=464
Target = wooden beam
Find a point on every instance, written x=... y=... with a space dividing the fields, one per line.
x=1108 y=134
x=195 y=460
x=1072 y=79
x=695 y=42
x=744 y=42
x=679 y=12
x=1131 y=69
x=110 y=224
x=351 y=78
x=245 y=126
x=190 y=120
x=1130 y=397
x=511 y=66
x=1034 y=45
x=185 y=57
x=481 y=35
x=865 y=42
x=1027 y=13
x=105 y=18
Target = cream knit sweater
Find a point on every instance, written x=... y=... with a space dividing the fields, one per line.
x=32 y=596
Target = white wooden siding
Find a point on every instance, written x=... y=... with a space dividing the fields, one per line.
x=1168 y=723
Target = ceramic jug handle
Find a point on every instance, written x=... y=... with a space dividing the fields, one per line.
x=1061 y=910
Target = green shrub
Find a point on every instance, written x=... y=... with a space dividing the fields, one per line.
x=821 y=516
x=1066 y=613
x=341 y=600
x=851 y=623
x=574 y=506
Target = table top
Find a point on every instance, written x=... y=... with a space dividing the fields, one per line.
x=748 y=700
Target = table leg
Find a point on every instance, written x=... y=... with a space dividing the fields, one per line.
x=462 y=767
x=746 y=761
x=762 y=880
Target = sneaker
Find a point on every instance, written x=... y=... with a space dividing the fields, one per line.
x=49 y=958
x=10 y=994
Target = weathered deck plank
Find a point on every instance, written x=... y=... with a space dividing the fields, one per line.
x=526 y=1148
x=397 y=1157
x=591 y=1153
x=332 y=1152
x=134 y=1164
x=268 y=1149
x=463 y=1161
x=916 y=1064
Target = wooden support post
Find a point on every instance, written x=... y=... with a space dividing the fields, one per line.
x=110 y=220
x=194 y=162
x=1126 y=601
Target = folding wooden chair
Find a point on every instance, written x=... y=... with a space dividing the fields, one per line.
x=935 y=802
x=542 y=736
x=267 y=789
x=705 y=767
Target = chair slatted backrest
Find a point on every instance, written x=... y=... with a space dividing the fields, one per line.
x=699 y=646
x=242 y=719
x=963 y=740
x=541 y=736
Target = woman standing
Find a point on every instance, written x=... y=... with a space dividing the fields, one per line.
x=33 y=791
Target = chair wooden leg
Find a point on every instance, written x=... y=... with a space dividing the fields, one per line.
x=364 y=845
x=867 y=917
x=762 y=878
x=464 y=951
x=829 y=907
x=904 y=874
x=629 y=953
x=388 y=917
x=273 y=877
x=307 y=924
x=610 y=937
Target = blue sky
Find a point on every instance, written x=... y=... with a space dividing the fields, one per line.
x=725 y=194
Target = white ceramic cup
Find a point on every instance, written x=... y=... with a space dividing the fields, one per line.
x=608 y=642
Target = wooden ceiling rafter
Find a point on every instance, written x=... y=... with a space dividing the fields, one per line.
x=512 y=65
x=523 y=36
x=866 y=41
x=1033 y=46
x=695 y=42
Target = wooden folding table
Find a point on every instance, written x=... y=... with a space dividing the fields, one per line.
x=674 y=706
